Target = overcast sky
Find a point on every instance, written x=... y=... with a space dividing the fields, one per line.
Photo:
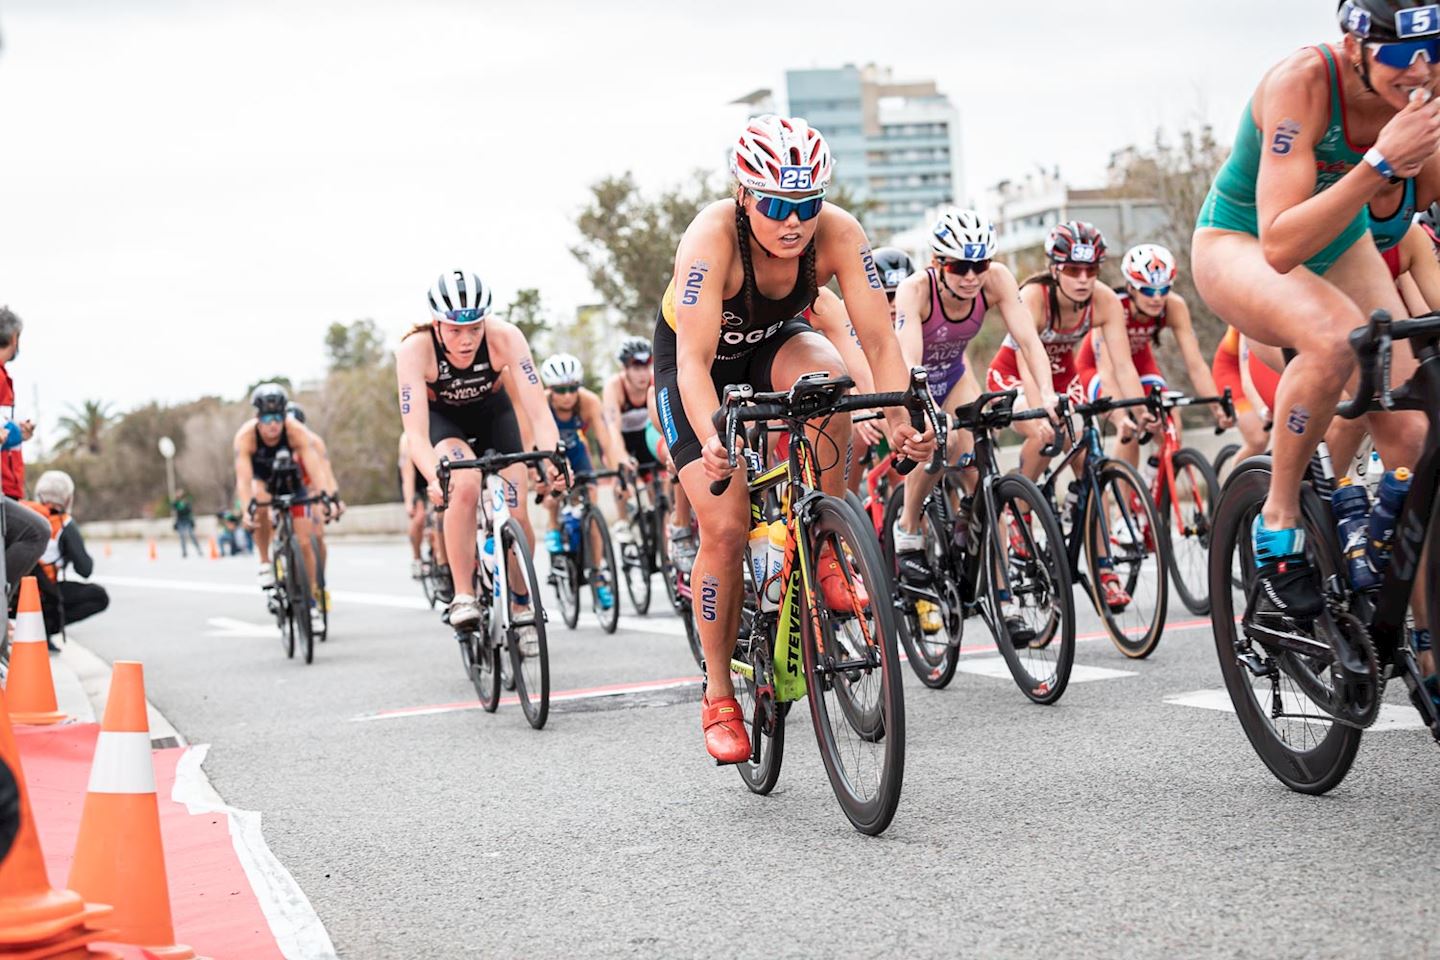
x=191 y=192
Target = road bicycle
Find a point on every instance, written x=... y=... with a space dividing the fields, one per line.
x=1304 y=692
x=512 y=620
x=289 y=595
x=434 y=576
x=587 y=557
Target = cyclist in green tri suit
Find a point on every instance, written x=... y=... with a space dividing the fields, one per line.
x=1282 y=248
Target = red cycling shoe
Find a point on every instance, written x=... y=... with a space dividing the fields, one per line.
x=835 y=588
x=725 y=735
x=1115 y=596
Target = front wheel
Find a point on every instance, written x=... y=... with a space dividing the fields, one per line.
x=299 y=589
x=600 y=570
x=635 y=563
x=852 y=663
x=1224 y=458
x=1188 y=522
x=567 y=587
x=1027 y=587
x=529 y=653
x=1124 y=546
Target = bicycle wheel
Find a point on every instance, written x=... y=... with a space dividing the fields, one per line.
x=893 y=507
x=1304 y=748
x=281 y=598
x=600 y=569
x=635 y=563
x=427 y=571
x=1123 y=527
x=566 y=580
x=322 y=596
x=1223 y=458
x=529 y=654
x=857 y=703
x=1187 y=522
x=298 y=587
x=934 y=657
x=1027 y=589
x=764 y=717
x=484 y=668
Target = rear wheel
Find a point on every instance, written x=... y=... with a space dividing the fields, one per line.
x=852 y=664
x=300 y=600
x=1027 y=578
x=1304 y=748
x=1187 y=523
x=529 y=654
x=635 y=562
x=600 y=570
x=1225 y=458
x=934 y=656
x=281 y=599
x=566 y=580
x=1123 y=541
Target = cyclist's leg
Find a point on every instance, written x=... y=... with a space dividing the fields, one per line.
x=919 y=482
x=437 y=536
x=260 y=491
x=461 y=515
x=716 y=579
x=779 y=365
x=304 y=527
x=417 y=525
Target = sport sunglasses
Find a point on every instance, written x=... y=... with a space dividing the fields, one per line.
x=465 y=315
x=1154 y=291
x=1080 y=270
x=779 y=208
x=272 y=417
x=565 y=390
x=1404 y=53
x=958 y=268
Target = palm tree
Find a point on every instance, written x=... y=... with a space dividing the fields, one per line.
x=82 y=427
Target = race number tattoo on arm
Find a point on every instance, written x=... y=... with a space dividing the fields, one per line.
x=867 y=259
x=694 y=282
x=853 y=335
x=405 y=394
x=899 y=318
x=1284 y=140
x=528 y=367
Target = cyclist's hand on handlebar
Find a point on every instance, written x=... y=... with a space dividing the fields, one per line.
x=1123 y=425
x=435 y=494
x=912 y=444
x=867 y=432
x=715 y=459
x=1223 y=420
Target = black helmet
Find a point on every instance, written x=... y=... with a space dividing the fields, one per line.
x=1075 y=241
x=1385 y=21
x=633 y=348
x=269 y=398
x=894 y=266
x=295 y=410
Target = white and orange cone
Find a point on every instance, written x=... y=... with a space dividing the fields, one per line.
x=30 y=688
x=118 y=850
x=35 y=920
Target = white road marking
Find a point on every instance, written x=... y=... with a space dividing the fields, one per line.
x=996 y=668
x=230 y=627
x=1392 y=716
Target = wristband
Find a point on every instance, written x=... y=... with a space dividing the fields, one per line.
x=1377 y=160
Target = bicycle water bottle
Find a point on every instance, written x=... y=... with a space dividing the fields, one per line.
x=1151 y=469
x=1351 y=507
x=1072 y=497
x=1374 y=472
x=1388 y=504
x=775 y=561
x=759 y=556
x=571 y=524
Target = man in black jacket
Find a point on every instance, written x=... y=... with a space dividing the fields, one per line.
x=64 y=602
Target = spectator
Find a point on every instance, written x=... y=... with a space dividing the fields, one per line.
x=185 y=521
x=228 y=525
x=63 y=601
x=12 y=461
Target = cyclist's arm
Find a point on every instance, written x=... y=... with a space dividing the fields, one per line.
x=1417 y=253
x=1252 y=393
x=1020 y=324
x=303 y=443
x=410 y=375
x=702 y=263
x=612 y=451
x=1110 y=319
x=829 y=317
x=328 y=480
x=509 y=349
x=244 y=474
x=1177 y=318
x=910 y=308
x=610 y=410
x=1295 y=223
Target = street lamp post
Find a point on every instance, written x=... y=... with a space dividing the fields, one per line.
x=167 y=450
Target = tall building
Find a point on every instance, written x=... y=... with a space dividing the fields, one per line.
x=1025 y=210
x=896 y=144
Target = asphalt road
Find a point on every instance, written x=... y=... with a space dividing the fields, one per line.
x=1116 y=823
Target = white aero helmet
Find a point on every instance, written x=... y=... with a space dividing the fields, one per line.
x=459 y=296
x=781 y=153
x=962 y=235
x=1148 y=265
x=562 y=370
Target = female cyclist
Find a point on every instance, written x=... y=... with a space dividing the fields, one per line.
x=745 y=271
x=454 y=374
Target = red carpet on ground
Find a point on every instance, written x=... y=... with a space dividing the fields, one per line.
x=214 y=909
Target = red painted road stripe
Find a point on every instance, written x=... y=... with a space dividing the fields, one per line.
x=645 y=686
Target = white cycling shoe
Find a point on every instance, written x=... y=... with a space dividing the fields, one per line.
x=267 y=576
x=464 y=612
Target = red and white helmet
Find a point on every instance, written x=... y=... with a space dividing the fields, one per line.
x=1148 y=265
x=781 y=153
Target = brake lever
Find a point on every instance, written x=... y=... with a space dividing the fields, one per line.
x=718 y=487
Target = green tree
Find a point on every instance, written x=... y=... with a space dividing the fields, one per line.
x=527 y=313
x=361 y=344
x=82 y=427
x=628 y=241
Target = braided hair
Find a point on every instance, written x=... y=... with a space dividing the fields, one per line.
x=806 y=276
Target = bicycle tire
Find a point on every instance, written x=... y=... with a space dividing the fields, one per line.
x=484 y=668
x=869 y=810
x=283 y=617
x=762 y=771
x=593 y=528
x=934 y=661
x=529 y=654
x=635 y=563
x=299 y=589
x=1189 y=550
x=1037 y=589
x=566 y=581
x=1134 y=509
x=322 y=595
x=1324 y=763
x=1224 y=456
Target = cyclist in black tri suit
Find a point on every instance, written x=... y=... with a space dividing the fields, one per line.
x=256 y=444
x=469 y=364
x=745 y=272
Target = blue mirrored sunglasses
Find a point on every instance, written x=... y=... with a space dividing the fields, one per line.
x=464 y=315
x=272 y=417
x=1401 y=55
x=780 y=208
x=1154 y=291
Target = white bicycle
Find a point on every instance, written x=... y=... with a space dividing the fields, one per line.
x=505 y=626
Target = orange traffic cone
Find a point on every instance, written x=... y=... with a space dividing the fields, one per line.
x=214 y=549
x=31 y=689
x=153 y=553
x=35 y=920
x=118 y=849
x=107 y=549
